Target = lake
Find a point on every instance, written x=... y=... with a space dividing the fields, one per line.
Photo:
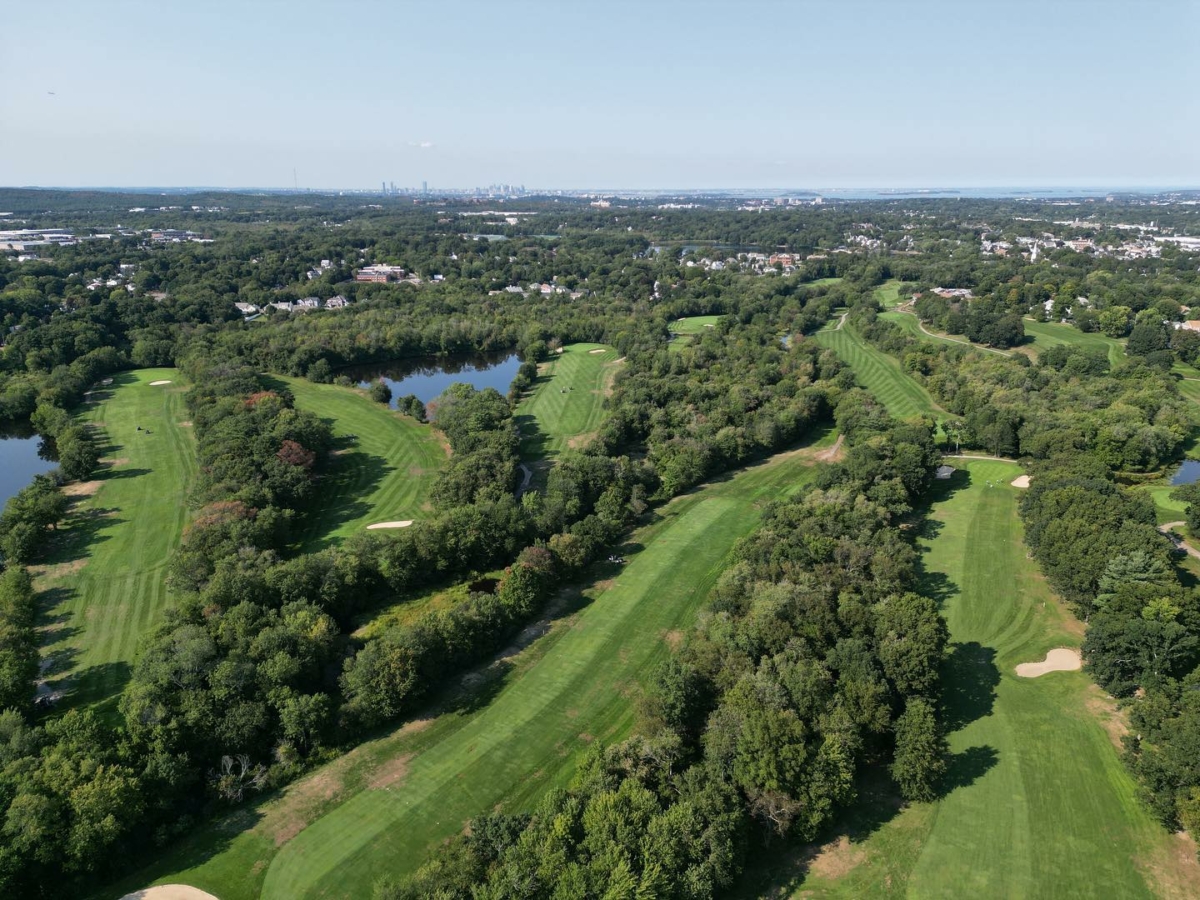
x=428 y=376
x=22 y=455
x=1188 y=471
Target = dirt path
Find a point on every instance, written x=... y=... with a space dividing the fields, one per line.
x=526 y=477
x=1177 y=540
x=831 y=455
x=841 y=321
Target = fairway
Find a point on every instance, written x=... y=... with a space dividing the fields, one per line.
x=879 y=373
x=693 y=324
x=1049 y=334
x=912 y=326
x=102 y=584
x=887 y=295
x=386 y=805
x=382 y=471
x=566 y=406
x=1038 y=803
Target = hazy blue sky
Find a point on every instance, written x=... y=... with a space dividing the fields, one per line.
x=600 y=94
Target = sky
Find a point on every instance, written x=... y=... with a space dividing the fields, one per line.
x=655 y=94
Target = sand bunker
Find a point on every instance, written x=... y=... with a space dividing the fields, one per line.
x=1061 y=659
x=157 y=383
x=403 y=524
x=170 y=892
x=598 y=350
x=1021 y=481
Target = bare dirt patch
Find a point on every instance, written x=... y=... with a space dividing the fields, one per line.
x=1021 y=481
x=1060 y=659
x=673 y=638
x=837 y=858
x=81 y=488
x=170 y=892
x=113 y=463
x=1173 y=869
x=185 y=424
x=581 y=439
x=834 y=453
x=1108 y=714
x=391 y=772
x=401 y=524
x=57 y=570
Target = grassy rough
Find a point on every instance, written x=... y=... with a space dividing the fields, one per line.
x=383 y=468
x=1037 y=803
x=505 y=738
x=103 y=580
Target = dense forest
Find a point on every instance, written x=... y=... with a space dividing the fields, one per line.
x=816 y=657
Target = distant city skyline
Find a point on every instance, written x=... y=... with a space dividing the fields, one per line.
x=607 y=96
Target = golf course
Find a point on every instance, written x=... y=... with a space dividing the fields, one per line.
x=103 y=579
x=1036 y=802
x=878 y=372
x=565 y=408
x=506 y=734
x=1049 y=334
x=383 y=467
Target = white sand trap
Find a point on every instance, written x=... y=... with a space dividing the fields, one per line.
x=403 y=524
x=157 y=383
x=106 y=381
x=598 y=350
x=170 y=892
x=1021 y=481
x=709 y=325
x=1061 y=659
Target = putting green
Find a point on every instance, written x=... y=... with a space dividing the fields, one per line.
x=102 y=584
x=387 y=804
x=1038 y=802
x=382 y=471
x=566 y=406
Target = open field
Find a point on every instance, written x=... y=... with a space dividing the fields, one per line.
x=506 y=739
x=1038 y=803
x=103 y=579
x=1048 y=334
x=566 y=406
x=382 y=471
x=879 y=373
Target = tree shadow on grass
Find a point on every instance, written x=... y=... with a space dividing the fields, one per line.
x=969 y=680
x=967 y=767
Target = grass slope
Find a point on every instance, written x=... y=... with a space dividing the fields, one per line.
x=879 y=373
x=888 y=294
x=103 y=581
x=566 y=405
x=1038 y=803
x=382 y=471
x=385 y=805
x=1049 y=334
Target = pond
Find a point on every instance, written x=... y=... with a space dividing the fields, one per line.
x=23 y=454
x=427 y=376
x=1188 y=471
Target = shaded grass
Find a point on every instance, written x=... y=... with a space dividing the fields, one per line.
x=507 y=740
x=102 y=582
x=382 y=470
x=1038 y=803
